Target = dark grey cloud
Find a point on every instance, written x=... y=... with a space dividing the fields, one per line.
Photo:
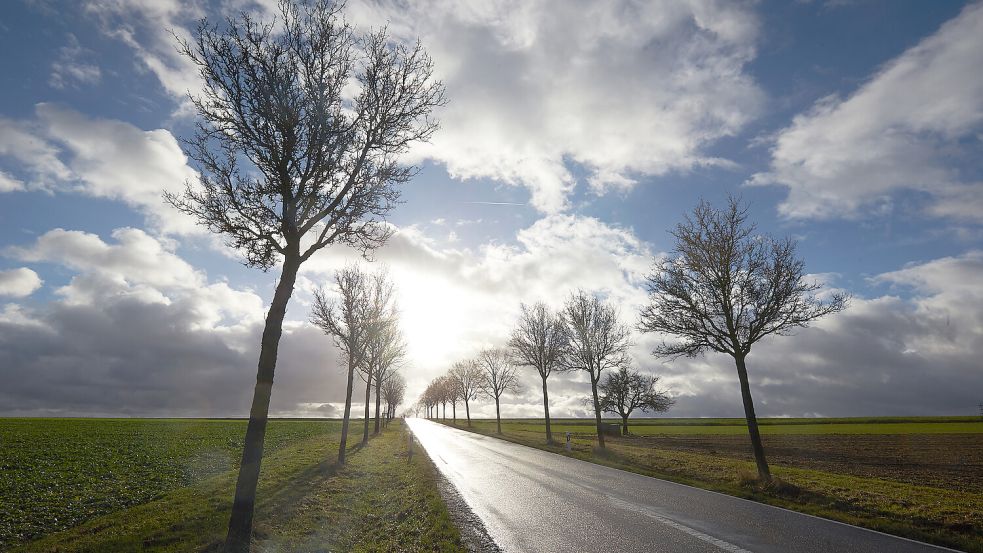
x=134 y=358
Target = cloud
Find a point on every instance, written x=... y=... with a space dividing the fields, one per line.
x=19 y=283
x=70 y=69
x=21 y=143
x=454 y=302
x=876 y=358
x=146 y=27
x=9 y=183
x=887 y=355
x=138 y=331
x=916 y=125
x=538 y=90
x=61 y=150
x=621 y=89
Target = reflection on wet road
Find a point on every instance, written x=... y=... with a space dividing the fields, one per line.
x=532 y=500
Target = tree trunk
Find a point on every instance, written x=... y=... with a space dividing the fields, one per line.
x=378 y=403
x=498 y=416
x=597 y=411
x=368 y=395
x=454 y=411
x=445 y=411
x=241 y=518
x=624 y=425
x=348 y=411
x=467 y=411
x=752 y=421
x=546 y=408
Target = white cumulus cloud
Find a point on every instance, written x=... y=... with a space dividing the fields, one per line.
x=19 y=282
x=916 y=125
x=620 y=88
x=61 y=150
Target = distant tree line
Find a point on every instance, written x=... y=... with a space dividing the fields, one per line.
x=585 y=335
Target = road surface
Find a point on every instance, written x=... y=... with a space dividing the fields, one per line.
x=535 y=501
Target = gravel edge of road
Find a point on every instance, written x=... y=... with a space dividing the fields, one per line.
x=473 y=533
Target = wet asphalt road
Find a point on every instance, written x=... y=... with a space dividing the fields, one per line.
x=535 y=501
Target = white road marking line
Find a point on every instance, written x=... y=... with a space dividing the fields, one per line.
x=726 y=546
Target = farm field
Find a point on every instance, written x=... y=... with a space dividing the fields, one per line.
x=166 y=485
x=887 y=425
x=920 y=478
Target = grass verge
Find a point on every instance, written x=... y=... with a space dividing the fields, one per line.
x=941 y=516
x=379 y=501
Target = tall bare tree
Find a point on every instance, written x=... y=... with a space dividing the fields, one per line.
x=724 y=288
x=598 y=341
x=498 y=377
x=348 y=321
x=283 y=153
x=628 y=390
x=469 y=379
x=540 y=341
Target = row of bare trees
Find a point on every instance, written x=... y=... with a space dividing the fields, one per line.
x=490 y=374
x=363 y=321
x=585 y=335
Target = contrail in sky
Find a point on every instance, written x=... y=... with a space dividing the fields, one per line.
x=493 y=203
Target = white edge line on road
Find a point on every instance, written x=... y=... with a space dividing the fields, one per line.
x=871 y=530
x=726 y=546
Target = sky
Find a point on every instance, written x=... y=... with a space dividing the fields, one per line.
x=577 y=134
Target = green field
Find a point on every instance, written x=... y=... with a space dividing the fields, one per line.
x=166 y=485
x=916 y=477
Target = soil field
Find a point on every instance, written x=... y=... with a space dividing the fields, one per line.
x=948 y=461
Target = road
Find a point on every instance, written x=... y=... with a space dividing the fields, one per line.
x=535 y=501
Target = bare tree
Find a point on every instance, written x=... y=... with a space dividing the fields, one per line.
x=498 y=377
x=540 y=341
x=627 y=390
x=598 y=342
x=284 y=153
x=347 y=321
x=469 y=379
x=453 y=390
x=444 y=393
x=724 y=288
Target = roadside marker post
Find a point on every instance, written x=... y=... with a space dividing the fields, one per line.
x=568 y=441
